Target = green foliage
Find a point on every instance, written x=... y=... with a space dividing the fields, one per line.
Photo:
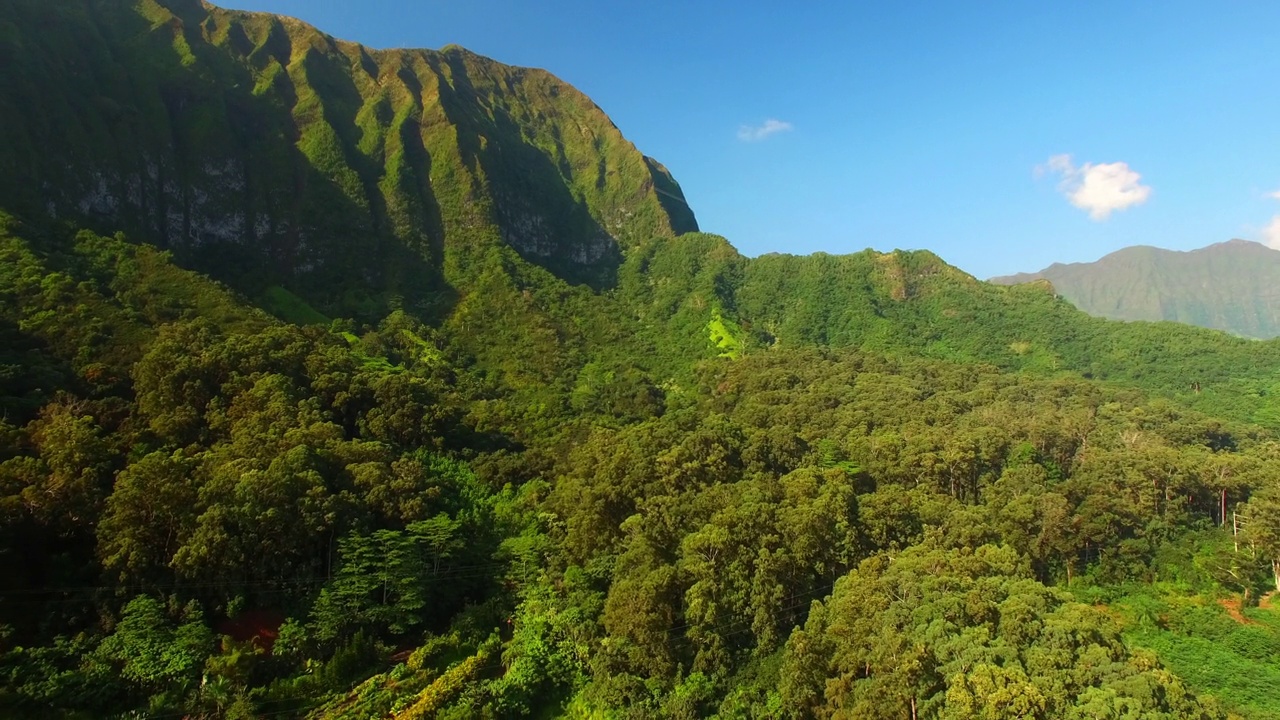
x=963 y=633
x=151 y=651
x=913 y=303
x=724 y=335
x=1217 y=650
x=387 y=580
x=214 y=457
x=551 y=456
x=291 y=308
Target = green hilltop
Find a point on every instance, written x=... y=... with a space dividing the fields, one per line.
x=348 y=383
x=1228 y=286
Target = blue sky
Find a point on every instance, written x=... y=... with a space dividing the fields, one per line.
x=1002 y=135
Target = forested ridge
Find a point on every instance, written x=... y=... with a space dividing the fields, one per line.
x=462 y=422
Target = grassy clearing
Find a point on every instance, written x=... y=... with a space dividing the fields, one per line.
x=724 y=334
x=291 y=308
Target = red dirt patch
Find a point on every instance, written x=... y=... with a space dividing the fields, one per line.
x=260 y=627
x=1264 y=602
x=1232 y=606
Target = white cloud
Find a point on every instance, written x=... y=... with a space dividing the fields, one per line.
x=1099 y=188
x=747 y=133
x=1271 y=233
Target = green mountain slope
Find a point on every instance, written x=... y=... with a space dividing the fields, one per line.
x=325 y=179
x=268 y=153
x=914 y=304
x=1228 y=286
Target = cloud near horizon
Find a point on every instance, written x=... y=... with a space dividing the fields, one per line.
x=1271 y=233
x=748 y=133
x=1098 y=188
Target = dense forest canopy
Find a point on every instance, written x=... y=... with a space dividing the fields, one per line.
x=339 y=383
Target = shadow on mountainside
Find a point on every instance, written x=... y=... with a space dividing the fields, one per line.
x=535 y=210
x=175 y=140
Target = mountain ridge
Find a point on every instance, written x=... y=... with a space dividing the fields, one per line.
x=495 y=203
x=1127 y=251
x=258 y=137
x=1224 y=286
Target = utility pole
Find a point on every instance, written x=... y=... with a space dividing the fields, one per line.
x=1240 y=522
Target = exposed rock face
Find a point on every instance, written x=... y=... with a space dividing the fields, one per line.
x=266 y=151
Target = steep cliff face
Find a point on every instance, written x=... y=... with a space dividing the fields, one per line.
x=266 y=152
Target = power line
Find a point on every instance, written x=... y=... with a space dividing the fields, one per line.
x=455 y=572
x=677 y=198
x=313 y=702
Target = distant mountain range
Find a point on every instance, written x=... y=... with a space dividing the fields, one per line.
x=1232 y=286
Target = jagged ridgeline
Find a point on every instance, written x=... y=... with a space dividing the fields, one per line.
x=269 y=154
x=325 y=180
x=1227 y=286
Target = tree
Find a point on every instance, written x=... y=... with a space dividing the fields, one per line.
x=386 y=580
x=1262 y=526
x=76 y=460
x=153 y=651
x=148 y=516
